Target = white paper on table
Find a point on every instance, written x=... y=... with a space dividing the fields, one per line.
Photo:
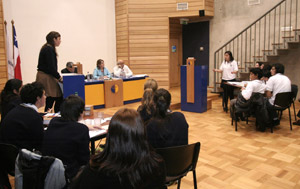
x=106 y=119
x=140 y=75
x=96 y=132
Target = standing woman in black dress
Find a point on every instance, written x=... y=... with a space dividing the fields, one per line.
x=47 y=71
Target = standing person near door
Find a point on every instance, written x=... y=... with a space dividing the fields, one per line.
x=47 y=71
x=229 y=69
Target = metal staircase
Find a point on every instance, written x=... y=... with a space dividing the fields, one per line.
x=265 y=40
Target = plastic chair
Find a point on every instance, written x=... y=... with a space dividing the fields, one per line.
x=8 y=157
x=282 y=102
x=294 y=96
x=179 y=161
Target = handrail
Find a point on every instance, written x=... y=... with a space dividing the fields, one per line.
x=251 y=25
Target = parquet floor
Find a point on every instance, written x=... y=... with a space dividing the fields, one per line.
x=242 y=159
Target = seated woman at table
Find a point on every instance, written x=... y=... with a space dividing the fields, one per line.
x=100 y=71
x=147 y=108
x=229 y=69
x=10 y=96
x=127 y=161
x=67 y=139
x=166 y=129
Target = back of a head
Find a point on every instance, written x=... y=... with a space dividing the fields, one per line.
x=162 y=101
x=126 y=153
x=31 y=91
x=152 y=84
x=279 y=68
x=257 y=71
x=72 y=108
x=147 y=100
x=10 y=86
x=69 y=64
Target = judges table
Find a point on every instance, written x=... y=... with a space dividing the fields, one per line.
x=105 y=93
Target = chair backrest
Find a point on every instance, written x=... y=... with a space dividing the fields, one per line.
x=8 y=157
x=294 y=92
x=180 y=160
x=283 y=99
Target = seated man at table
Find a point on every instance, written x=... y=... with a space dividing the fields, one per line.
x=122 y=70
x=69 y=68
x=67 y=139
x=256 y=85
x=23 y=126
x=278 y=83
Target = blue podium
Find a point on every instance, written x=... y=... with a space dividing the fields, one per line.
x=73 y=84
x=194 y=87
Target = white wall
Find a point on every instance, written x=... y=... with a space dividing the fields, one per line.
x=87 y=29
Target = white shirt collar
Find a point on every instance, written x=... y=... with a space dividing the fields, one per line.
x=32 y=106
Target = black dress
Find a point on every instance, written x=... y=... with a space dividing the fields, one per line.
x=23 y=127
x=171 y=131
x=69 y=142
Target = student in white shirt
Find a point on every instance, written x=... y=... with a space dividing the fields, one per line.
x=122 y=70
x=229 y=69
x=278 y=83
x=256 y=85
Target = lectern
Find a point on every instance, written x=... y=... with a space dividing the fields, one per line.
x=113 y=93
x=193 y=87
x=73 y=84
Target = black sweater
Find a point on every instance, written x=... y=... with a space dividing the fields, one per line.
x=11 y=104
x=171 y=131
x=68 y=141
x=48 y=61
x=23 y=127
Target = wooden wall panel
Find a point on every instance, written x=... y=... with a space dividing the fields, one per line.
x=148 y=31
x=3 y=58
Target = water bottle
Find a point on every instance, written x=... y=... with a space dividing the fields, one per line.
x=88 y=76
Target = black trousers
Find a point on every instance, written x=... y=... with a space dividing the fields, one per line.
x=49 y=103
x=227 y=92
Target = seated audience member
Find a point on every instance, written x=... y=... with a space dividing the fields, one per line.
x=10 y=96
x=152 y=84
x=278 y=83
x=69 y=68
x=127 y=160
x=298 y=115
x=256 y=85
x=122 y=70
x=101 y=71
x=166 y=129
x=147 y=109
x=66 y=139
x=266 y=73
x=259 y=65
x=23 y=126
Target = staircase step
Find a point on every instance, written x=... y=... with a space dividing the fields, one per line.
x=277 y=43
x=282 y=51
x=267 y=50
x=293 y=44
x=296 y=29
x=288 y=37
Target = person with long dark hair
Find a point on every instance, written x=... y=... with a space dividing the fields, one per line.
x=127 y=160
x=229 y=69
x=10 y=96
x=47 y=71
x=147 y=108
x=166 y=129
x=67 y=139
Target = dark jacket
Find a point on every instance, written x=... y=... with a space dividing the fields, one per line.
x=171 y=131
x=69 y=142
x=23 y=127
x=11 y=104
x=48 y=61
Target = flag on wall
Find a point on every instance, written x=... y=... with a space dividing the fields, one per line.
x=17 y=60
x=10 y=64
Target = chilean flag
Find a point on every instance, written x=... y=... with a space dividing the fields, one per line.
x=17 y=60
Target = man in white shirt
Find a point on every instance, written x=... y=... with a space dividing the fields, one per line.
x=254 y=86
x=278 y=83
x=122 y=70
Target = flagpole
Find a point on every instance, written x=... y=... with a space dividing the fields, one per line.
x=13 y=42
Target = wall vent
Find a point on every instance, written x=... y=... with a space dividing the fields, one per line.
x=253 y=2
x=182 y=6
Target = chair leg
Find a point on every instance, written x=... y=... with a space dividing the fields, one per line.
x=294 y=111
x=178 y=185
x=247 y=119
x=291 y=127
x=235 y=124
x=195 y=179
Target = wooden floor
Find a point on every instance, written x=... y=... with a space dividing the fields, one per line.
x=242 y=159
